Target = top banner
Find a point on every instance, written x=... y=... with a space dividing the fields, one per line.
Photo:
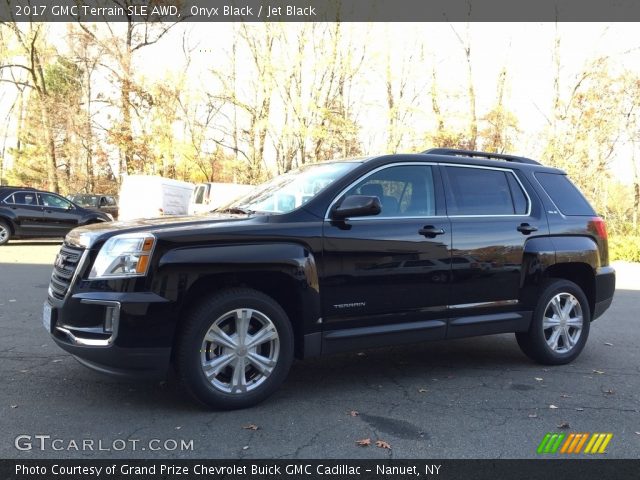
x=320 y=10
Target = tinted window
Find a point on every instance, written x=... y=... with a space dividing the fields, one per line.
x=404 y=191
x=479 y=191
x=564 y=194
x=23 y=198
x=49 y=200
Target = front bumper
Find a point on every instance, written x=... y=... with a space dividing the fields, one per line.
x=122 y=334
x=605 y=288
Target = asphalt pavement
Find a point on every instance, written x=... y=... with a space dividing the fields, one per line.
x=471 y=398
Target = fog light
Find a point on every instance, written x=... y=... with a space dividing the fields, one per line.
x=111 y=317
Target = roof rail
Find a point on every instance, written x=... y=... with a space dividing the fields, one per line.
x=472 y=153
x=17 y=186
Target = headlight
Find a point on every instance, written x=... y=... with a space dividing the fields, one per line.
x=125 y=255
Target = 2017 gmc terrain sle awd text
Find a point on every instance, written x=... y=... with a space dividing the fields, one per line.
x=337 y=256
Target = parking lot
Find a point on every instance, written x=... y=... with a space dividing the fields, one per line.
x=472 y=398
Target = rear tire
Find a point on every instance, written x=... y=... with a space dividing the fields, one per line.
x=560 y=324
x=5 y=232
x=235 y=349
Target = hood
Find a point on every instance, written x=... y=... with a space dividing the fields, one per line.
x=89 y=235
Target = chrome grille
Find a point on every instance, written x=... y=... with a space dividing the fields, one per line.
x=64 y=269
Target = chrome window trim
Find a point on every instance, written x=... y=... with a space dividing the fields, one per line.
x=24 y=204
x=367 y=175
x=506 y=170
x=440 y=164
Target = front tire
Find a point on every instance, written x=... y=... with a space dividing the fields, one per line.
x=235 y=349
x=559 y=326
x=5 y=232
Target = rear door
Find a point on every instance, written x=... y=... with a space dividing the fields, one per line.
x=492 y=216
x=28 y=214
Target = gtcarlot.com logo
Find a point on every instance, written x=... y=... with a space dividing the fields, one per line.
x=47 y=442
x=574 y=443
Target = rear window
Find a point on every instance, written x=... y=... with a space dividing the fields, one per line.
x=564 y=194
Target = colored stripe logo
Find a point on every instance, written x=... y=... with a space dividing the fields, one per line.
x=574 y=443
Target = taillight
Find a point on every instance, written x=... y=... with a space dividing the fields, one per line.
x=598 y=225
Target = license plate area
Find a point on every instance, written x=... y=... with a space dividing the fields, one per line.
x=47 y=316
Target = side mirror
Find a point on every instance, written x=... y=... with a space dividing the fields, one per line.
x=357 y=206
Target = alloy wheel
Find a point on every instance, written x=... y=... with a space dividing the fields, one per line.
x=239 y=351
x=562 y=323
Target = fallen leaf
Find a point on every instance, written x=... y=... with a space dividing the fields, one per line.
x=178 y=428
x=609 y=391
x=579 y=409
x=545 y=369
x=354 y=413
x=364 y=442
x=361 y=354
x=383 y=444
x=24 y=371
x=599 y=372
x=246 y=447
x=533 y=415
x=250 y=426
x=538 y=379
x=12 y=300
x=422 y=390
x=608 y=344
x=563 y=425
x=637 y=433
x=14 y=406
x=564 y=395
x=58 y=360
x=553 y=407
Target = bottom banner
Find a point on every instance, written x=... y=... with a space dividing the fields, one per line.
x=318 y=469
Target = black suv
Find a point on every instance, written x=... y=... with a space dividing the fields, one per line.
x=27 y=212
x=337 y=256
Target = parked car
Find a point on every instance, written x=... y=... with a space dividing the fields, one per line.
x=315 y=262
x=101 y=203
x=27 y=212
x=150 y=196
x=209 y=196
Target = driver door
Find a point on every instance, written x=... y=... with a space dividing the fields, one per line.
x=388 y=275
x=58 y=214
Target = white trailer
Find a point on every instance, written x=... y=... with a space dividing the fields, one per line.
x=149 y=196
x=211 y=195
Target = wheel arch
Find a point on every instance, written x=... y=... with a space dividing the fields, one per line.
x=285 y=272
x=580 y=273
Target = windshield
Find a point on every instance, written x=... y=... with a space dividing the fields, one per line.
x=85 y=200
x=290 y=190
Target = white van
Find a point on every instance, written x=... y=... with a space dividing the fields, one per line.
x=149 y=196
x=211 y=195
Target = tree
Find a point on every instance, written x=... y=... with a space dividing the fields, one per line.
x=120 y=42
x=30 y=58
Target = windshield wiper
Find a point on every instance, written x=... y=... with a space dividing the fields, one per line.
x=235 y=210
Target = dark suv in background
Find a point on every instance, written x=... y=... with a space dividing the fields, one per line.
x=100 y=203
x=337 y=256
x=27 y=212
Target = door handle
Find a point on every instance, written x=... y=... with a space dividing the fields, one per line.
x=526 y=229
x=430 y=231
